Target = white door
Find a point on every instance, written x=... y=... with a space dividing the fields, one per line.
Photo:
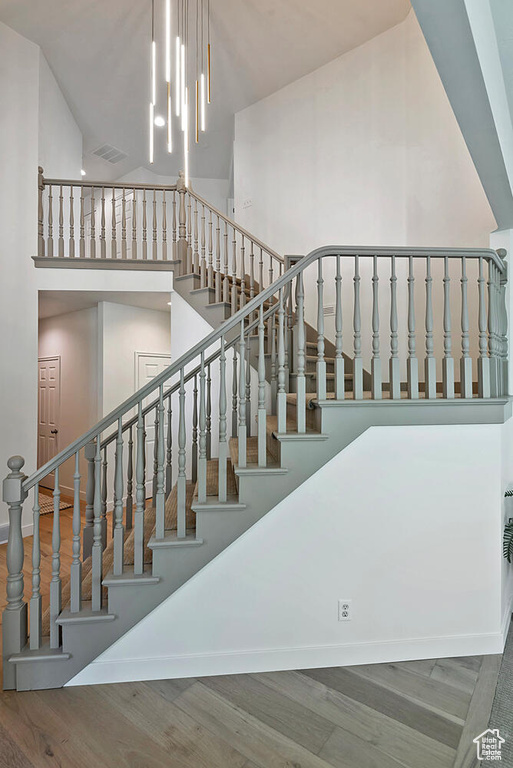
x=147 y=366
x=49 y=402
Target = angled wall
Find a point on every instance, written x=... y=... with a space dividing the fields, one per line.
x=406 y=522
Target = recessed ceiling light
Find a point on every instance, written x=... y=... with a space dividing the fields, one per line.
x=83 y=172
x=159 y=121
x=168 y=303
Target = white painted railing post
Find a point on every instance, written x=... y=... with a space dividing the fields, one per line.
x=14 y=621
x=40 y=213
x=483 y=363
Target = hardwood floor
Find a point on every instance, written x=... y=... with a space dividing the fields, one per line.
x=418 y=714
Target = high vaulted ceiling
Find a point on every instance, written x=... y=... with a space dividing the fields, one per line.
x=99 y=53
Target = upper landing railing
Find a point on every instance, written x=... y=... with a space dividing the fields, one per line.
x=140 y=225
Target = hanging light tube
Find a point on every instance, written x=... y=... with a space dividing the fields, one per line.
x=153 y=83
x=186 y=137
x=209 y=92
x=178 y=76
x=168 y=77
x=203 y=104
x=182 y=87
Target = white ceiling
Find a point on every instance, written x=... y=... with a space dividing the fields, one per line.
x=52 y=303
x=99 y=53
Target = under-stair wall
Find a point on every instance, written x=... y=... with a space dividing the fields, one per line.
x=363 y=528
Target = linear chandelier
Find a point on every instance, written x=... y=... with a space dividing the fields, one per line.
x=188 y=22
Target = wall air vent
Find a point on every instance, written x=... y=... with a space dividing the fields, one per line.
x=110 y=153
x=329 y=309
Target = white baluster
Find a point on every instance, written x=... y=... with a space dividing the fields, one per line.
x=262 y=412
x=395 y=370
x=195 y=430
x=76 y=565
x=430 y=362
x=119 y=529
x=103 y=244
x=164 y=226
x=55 y=584
x=161 y=458
x=92 y=250
x=113 y=242
x=182 y=481
x=242 y=432
x=71 y=224
x=35 y=600
x=61 y=224
x=234 y=394
x=140 y=496
x=300 y=378
x=209 y=414
x=134 y=224
x=412 y=363
x=340 y=385
x=202 y=458
x=130 y=482
x=282 y=394
x=154 y=246
x=223 y=445
x=123 y=225
x=376 y=360
x=97 y=548
x=357 y=341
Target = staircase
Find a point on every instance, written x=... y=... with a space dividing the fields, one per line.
x=242 y=419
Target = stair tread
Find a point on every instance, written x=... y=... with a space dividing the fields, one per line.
x=85 y=615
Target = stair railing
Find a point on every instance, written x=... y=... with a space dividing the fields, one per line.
x=284 y=334
x=230 y=261
x=96 y=220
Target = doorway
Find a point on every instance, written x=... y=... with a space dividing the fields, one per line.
x=49 y=409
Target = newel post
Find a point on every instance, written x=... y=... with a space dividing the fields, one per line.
x=15 y=614
x=182 y=223
x=40 y=224
x=503 y=325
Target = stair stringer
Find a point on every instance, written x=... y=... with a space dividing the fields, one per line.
x=219 y=525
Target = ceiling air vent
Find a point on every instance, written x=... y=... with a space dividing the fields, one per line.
x=110 y=153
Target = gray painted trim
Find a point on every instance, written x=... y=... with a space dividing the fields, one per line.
x=63 y=262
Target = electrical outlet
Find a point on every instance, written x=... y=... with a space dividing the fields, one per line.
x=345 y=610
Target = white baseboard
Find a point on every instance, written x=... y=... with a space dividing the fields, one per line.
x=254 y=661
x=26 y=530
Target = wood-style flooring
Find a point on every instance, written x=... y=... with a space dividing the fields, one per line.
x=418 y=714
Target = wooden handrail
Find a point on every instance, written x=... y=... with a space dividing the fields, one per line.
x=238 y=228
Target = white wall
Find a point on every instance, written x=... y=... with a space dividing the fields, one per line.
x=60 y=138
x=19 y=76
x=36 y=117
x=214 y=191
x=123 y=331
x=365 y=151
x=74 y=338
x=404 y=547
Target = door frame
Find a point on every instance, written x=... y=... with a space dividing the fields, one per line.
x=42 y=360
